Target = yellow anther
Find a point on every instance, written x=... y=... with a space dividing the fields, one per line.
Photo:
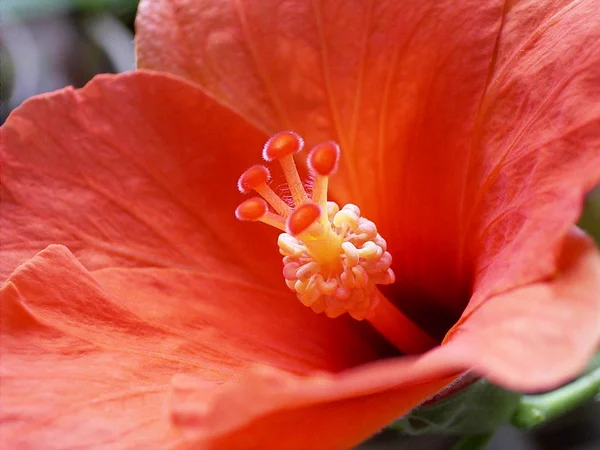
x=370 y=250
x=332 y=210
x=308 y=270
x=347 y=218
x=350 y=207
x=300 y=287
x=289 y=246
x=351 y=252
x=326 y=287
x=360 y=276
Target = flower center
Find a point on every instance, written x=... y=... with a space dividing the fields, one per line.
x=332 y=258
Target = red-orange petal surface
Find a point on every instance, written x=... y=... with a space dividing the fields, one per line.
x=540 y=335
x=249 y=321
x=78 y=368
x=467 y=129
x=105 y=361
x=536 y=147
x=148 y=189
x=396 y=84
x=84 y=368
x=138 y=170
x=520 y=339
x=46 y=201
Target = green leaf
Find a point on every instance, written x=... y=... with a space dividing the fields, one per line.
x=478 y=409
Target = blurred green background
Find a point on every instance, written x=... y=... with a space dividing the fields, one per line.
x=48 y=44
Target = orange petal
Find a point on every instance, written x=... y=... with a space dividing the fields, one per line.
x=134 y=170
x=536 y=144
x=279 y=410
x=87 y=344
x=540 y=335
x=397 y=84
x=82 y=368
x=152 y=188
x=511 y=191
x=530 y=339
x=78 y=370
x=250 y=321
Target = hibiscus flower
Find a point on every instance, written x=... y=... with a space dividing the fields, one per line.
x=468 y=136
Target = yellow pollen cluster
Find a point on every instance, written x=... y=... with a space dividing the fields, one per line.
x=333 y=259
x=338 y=275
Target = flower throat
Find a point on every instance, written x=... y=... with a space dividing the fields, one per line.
x=332 y=258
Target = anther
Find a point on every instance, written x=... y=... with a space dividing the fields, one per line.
x=346 y=218
x=302 y=218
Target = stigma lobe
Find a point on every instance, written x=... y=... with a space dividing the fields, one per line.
x=253 y=177
x=302 y=218
x=282 y=144
x=252 y=209
x=323 y=159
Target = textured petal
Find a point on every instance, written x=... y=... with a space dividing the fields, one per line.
x=536 y=146
x=81 y=368
x=105 y=365
x=151 y=188
x=279 y=410
x=250 y=322
x=529 y=339
x=540 y=335
x=398 y=84
x=134 y=170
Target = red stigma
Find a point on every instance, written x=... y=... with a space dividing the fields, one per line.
x=324 y=157
x=302 y=218
x=252 y=177
x=282 y=144
x=251 y=209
